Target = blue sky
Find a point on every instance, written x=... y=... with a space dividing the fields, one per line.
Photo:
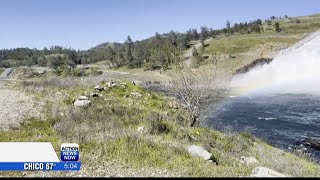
x=82 y=24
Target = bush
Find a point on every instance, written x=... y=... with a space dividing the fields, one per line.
x=158 y=124
x=78 y=72
x=95 y=71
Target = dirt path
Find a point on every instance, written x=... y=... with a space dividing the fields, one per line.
x=188 y=54
x=15 y=106
x=6 y=73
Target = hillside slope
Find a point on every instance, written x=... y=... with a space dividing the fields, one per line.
x=238 y=50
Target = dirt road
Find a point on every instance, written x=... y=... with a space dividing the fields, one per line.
x=15 y=106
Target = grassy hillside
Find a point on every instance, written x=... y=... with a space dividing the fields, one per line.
x=243 y=43
x=107 y=131
x=238 y=50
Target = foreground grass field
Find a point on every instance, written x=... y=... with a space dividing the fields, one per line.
x=107 y=131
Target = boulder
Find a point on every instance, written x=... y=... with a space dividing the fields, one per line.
x=82 y=103
x=312 y=142
x=198 y=151
x=265 y=172
x=248 y=160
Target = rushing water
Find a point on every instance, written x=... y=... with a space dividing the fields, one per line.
x=281 y=120
x=278 y=102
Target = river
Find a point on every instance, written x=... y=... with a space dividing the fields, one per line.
x=278 y=102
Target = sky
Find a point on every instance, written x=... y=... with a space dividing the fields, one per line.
x=82 y=24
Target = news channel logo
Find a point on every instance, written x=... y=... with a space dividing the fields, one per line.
x=69 y=152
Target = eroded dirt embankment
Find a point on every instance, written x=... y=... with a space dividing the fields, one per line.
x=16 y=106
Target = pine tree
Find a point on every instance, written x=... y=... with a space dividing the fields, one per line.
x=128 y=53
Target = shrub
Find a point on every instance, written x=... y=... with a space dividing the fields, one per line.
x=158 y=124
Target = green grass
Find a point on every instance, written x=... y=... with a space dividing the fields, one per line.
x=1 y=70
x=107 y=131
x=243 y=43
x=139 y=152
x=303 y=27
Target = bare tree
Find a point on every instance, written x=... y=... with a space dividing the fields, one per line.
x=196 y=90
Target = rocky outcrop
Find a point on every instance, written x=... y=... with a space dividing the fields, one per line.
x=258 y=62
x=312 y=142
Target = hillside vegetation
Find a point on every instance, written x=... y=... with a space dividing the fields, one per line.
x=108 y=131
x=233 y=51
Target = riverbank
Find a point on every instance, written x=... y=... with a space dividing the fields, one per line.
x=142 y=131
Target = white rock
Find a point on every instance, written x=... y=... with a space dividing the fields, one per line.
x=248 y=160
x=140 y=129
x=82 y=98
x=265 y=172
x=136 y=94
x=198 y=151
x=82 y=103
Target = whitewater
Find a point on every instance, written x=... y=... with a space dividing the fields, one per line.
x=278 y=102
x=295 y=70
